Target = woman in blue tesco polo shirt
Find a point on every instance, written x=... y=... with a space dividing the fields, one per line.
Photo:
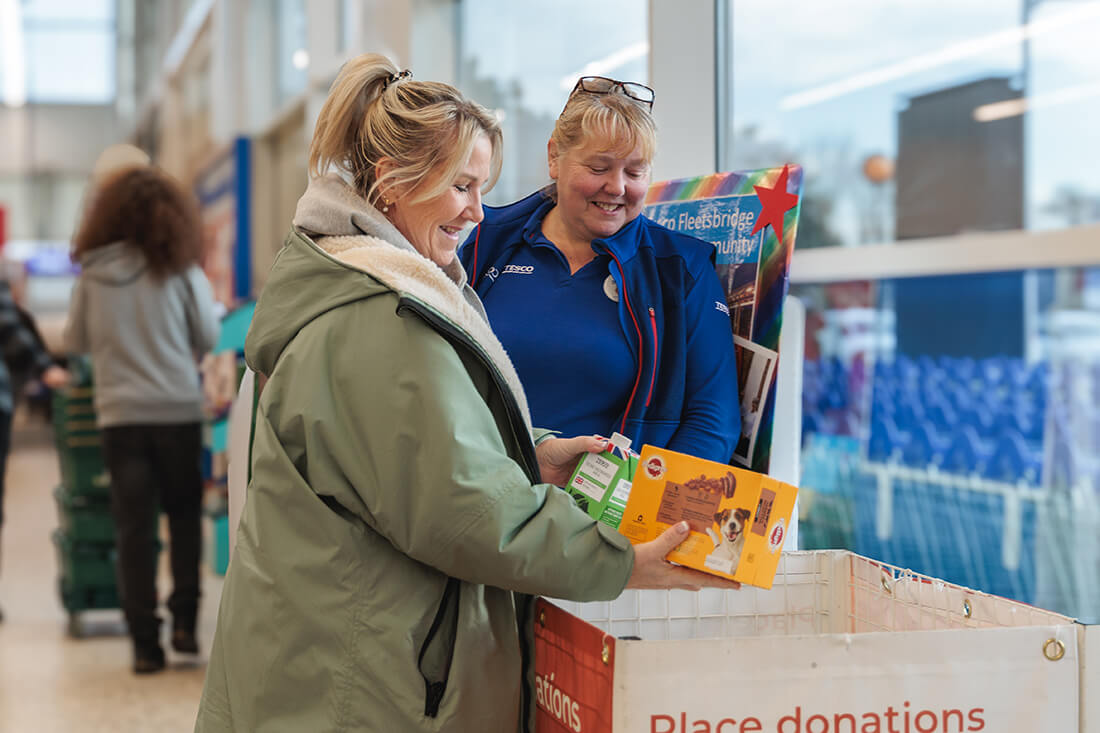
x=614 y=322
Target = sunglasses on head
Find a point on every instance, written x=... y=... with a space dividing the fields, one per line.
x=603 y=85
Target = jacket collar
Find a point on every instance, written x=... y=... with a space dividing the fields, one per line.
x=411 y=275
x=332 y=208
x=623 y=244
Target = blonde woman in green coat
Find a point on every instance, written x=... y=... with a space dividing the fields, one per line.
x=399 y=517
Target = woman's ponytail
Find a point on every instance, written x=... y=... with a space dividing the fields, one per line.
x=337 y=137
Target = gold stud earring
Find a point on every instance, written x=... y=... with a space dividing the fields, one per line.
x=385 y=205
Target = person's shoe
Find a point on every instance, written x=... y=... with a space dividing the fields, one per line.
x=184 y=641
x=148 y=660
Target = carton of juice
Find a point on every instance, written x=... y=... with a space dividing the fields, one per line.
x=738 y=518
x=601 y=481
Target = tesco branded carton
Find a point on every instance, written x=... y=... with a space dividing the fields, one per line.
x=738 y=518
x=601 y=482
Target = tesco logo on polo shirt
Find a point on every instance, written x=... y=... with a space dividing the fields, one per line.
x=518 y=270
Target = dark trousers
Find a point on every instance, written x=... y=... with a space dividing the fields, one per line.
x=153 y=465
x=5 y=446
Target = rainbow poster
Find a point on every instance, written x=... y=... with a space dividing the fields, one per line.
x=751 y=217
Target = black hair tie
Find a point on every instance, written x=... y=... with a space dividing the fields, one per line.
x=406 y=74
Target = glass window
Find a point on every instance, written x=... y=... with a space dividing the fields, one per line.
x=950 y=423
x=70 y=66
x=292 y=59
x=69 y=51
x=947 y=431
x=920 y=119
x=522 y=61
x=277 y=66
x=68 y=11
x=346 y=26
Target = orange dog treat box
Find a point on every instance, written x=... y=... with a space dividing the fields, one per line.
x=738 y=518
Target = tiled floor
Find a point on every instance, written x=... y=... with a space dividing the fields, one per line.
x=48 y=681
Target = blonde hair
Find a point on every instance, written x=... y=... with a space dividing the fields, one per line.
x=616 y=118
x=427 y=129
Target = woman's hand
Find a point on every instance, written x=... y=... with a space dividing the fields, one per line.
x=56 y=377
x=559 y=456
x=652 y=570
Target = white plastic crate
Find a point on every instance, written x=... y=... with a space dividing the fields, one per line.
x=839 y=641
x=815 y=592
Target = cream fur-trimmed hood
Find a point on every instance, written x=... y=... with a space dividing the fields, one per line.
x=338 y=233
x=413 y=275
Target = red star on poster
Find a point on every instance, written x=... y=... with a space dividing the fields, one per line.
x=774 y=203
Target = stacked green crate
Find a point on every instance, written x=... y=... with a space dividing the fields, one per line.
x=84 y=540
x=82 y=469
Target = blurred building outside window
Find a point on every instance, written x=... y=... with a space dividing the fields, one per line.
x=1010 y=88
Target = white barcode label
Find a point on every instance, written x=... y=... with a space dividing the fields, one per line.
x=622 y=492
x=599 y=468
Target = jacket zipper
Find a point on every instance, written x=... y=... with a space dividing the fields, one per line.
x=526 y=447
x=434 y=689
x=653 y=372
x=638 y=330
x=525 y=614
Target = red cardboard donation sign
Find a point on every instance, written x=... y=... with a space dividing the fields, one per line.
x=574 y=672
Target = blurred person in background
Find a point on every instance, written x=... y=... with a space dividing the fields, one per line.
x=614 y=322
x=23 y=356
x=397 y=520
x=144 y=311
x=25 y=382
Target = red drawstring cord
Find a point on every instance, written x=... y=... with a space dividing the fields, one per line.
x=653 y=374
x=473 y=270
x=638 y=330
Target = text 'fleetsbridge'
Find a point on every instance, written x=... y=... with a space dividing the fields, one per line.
x=734 y=221
x=903 y=720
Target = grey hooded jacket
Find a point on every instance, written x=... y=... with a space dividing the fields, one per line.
x=144 y=335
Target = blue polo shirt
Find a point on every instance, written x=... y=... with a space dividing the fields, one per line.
x=564 y=337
